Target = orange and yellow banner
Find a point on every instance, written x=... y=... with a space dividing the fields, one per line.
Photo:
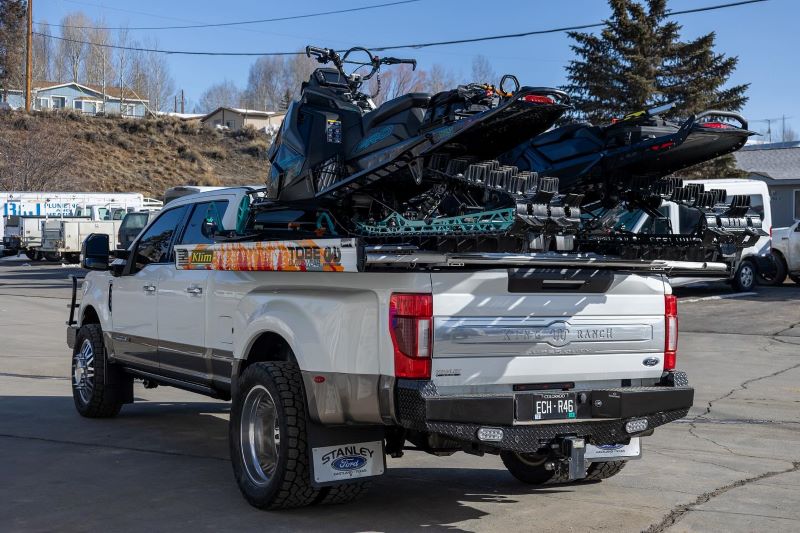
x=308 y=255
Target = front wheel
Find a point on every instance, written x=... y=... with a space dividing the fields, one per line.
x=268 y=439
x=777 y=275
x=745 y=278
x=93 y=391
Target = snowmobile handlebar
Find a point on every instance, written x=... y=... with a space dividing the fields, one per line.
x=398 y=61
x=722 y=114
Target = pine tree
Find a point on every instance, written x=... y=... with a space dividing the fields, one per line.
x=638 y=61
x=13 y=14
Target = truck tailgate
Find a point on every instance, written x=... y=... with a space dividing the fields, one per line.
x=541 y=326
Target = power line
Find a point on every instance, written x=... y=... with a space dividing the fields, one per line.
x=396 y=47
x=237 y=23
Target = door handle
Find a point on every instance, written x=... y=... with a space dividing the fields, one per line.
x=194 y=291
x=149 y=289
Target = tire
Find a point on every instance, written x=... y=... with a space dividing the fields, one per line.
x=795 y=278
x=73 y=258
x=600 y=471
x=745 y=278
x=344 y=493
x=92 y=391
x=528 y=468
x=777 y=277
x=53 y=257
x=270 y=403
x=33 y=255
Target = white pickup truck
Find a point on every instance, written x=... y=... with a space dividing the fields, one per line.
x=62 y=238
x=786 y=251
x=336 y=354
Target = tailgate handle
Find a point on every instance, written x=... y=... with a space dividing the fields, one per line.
x=573 y=284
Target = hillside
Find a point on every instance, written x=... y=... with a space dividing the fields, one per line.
x=71 y=151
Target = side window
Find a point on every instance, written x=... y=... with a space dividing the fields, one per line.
x=155 y=244
x=205 y=216
x=688 y=218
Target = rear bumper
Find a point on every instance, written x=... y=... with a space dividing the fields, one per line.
x=602 y=414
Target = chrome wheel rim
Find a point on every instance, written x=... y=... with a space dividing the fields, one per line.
x=83 y=371
x=746 y=276
x=260 y=435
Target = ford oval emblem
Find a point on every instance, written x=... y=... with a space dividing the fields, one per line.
x=650 y=361
x=350 y=462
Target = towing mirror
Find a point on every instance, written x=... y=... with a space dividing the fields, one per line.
x=95 y=252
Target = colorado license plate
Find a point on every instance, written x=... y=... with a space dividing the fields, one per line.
x=554 y=405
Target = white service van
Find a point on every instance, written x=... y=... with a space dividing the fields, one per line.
x=682 y=220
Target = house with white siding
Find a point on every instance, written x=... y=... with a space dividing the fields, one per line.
x=88 y=99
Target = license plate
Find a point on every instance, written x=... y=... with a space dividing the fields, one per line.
x=554 y=405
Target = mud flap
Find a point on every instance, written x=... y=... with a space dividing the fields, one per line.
x=344 y=454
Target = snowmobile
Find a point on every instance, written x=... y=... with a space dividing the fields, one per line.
x=471 y=169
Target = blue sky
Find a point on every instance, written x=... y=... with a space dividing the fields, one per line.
x=759 y=34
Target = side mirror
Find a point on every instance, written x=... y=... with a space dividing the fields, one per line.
x=95 y=252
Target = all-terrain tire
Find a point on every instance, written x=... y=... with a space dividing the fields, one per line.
x=93 y=392
x=344 y=493
x=289 y=484
x=600 y=471
x=527 y=468
x=745 y=278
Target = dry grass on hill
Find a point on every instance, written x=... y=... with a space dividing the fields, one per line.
x=115 y=154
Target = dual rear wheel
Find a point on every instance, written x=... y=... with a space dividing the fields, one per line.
x=530 y=469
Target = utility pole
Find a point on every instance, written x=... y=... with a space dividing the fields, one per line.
x=175 y=104
x=183 y=102
x=29 y=59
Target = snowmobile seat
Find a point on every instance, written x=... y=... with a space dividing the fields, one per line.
x=395 y=106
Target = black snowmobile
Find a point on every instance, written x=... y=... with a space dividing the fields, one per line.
x=628 y=153
x=470 y=169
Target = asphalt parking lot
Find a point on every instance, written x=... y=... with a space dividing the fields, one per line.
x=163 y=464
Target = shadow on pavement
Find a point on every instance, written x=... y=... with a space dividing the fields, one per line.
x=174 y=456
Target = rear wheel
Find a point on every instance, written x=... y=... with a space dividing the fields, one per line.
x=344 y=493
x=33 y=255
x=745 y=278
x=73 y=258
x=600 y=471
x=527 y=467
x=53 y=257
x=268 y=439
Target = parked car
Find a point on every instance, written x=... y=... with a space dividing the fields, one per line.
x=132 y=225
x=786 y=251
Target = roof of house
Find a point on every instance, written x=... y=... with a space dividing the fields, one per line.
x=780 y=161
x=115 y=93
x=247 y=112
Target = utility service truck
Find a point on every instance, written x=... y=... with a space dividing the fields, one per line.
x=786 y=251
x=337 y=353
x=24 y=214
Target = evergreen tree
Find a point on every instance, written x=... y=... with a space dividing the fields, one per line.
x=638 y=61
x=13 y=20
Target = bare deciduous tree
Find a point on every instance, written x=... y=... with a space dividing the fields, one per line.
x=72 y=49
x=43 y=54
x=97 y=64
x=440 y=78
x=223 y=94
x=482 y=71
x=24 y=165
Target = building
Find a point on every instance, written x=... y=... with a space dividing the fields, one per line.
x=777 y=164
x=235 y=119
x=88 y=99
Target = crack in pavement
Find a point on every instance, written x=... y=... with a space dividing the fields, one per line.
x=680 y=511
x=743 y=386
x=111 y=447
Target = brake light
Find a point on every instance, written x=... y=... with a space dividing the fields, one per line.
x=538 y=99
x=411 y=329
x=671 y=331
x=715 y=125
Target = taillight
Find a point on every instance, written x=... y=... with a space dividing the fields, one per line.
x=671 y=332
x=538 y=99
x=411 y=329
x=715 y=125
